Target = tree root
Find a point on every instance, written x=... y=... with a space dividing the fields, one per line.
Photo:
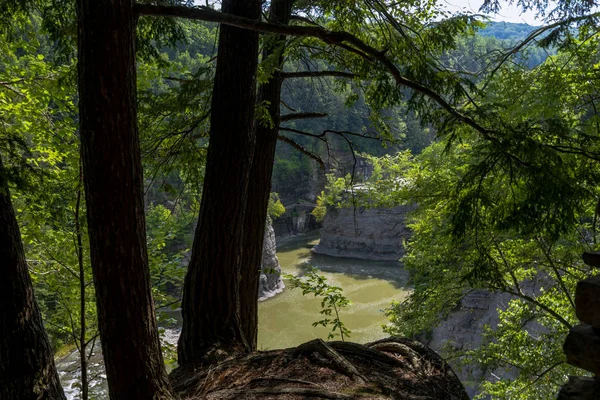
x=336 y=360
x=308 y=392
x=284 y=380
x=367 y=352
x=413 y=358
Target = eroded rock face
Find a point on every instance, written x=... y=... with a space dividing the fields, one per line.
x=296 y=220
x=464 y=327
x=270 y=277
x=366 y=233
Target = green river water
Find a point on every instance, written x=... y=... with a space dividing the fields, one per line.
x=286 y=319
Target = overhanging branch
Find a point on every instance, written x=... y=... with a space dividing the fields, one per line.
x=302 y=115
x=335 y=38
x=302 y=150
x=317 y=74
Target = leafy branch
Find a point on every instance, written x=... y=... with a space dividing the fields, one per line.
x=332 y=300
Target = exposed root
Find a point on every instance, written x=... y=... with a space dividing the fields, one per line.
x=367 y=352
x=413 y=358
x=336 y=360
x=255 y=393
x=283 y=380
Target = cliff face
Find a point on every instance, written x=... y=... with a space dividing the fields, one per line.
x=270 y=277
x=370 y=234
x=296 y=220
x=463 y=330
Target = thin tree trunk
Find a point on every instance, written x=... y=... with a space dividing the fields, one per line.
x=260 y=177
x=210 y=307
x=82 y=290
x=114 y=197
x=27 y=370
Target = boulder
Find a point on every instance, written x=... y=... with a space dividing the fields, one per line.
x=587 y=301
x=579 y=388
x=582 y=348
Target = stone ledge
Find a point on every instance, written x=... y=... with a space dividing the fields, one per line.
x=591 y=258
x=582 y=348
x=587 y=301
x=579 y=388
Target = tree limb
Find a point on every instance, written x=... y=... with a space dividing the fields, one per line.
x=335 y=38
x=317 y=74
x=302 y=150
x=302 y=115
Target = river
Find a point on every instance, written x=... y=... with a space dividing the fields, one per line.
x=286 y=319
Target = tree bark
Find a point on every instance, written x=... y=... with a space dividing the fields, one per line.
x=260 y=177
x=114 y=197
x=210 y=306
x=27 y=370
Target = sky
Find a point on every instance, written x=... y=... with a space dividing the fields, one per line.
x=509 y=13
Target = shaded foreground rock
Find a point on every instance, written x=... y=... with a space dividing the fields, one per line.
x=580 y=388
x=582 y=348
x=587 y=301
x=393 y=368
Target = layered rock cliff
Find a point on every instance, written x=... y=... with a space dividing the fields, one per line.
x=365 y=233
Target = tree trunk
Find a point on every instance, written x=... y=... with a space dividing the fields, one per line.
x=210 y=307
x=27 y=370
x=260 y=177
x=114 y=197
x=83 y=359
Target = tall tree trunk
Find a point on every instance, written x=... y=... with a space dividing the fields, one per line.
x=83 y=360
x=114 y=197
x=260 y=177
x=27 y=370
x=210 y=307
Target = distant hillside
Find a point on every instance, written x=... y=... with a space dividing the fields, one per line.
x=507 y=30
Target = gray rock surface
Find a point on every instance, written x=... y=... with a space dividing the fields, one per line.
x=296 y=220
x=366 y=233
x=463 y=330
x=270 y=277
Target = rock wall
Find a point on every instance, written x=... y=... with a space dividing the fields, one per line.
x=463 y=330
x=296 y=220
x=270 y=282
x=366 y=233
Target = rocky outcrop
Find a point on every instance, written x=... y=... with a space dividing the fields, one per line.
x=366 y=233
x=270 y=282
x=392 y=368
x=463 y=330
x=582 y=346
x=296 y=220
